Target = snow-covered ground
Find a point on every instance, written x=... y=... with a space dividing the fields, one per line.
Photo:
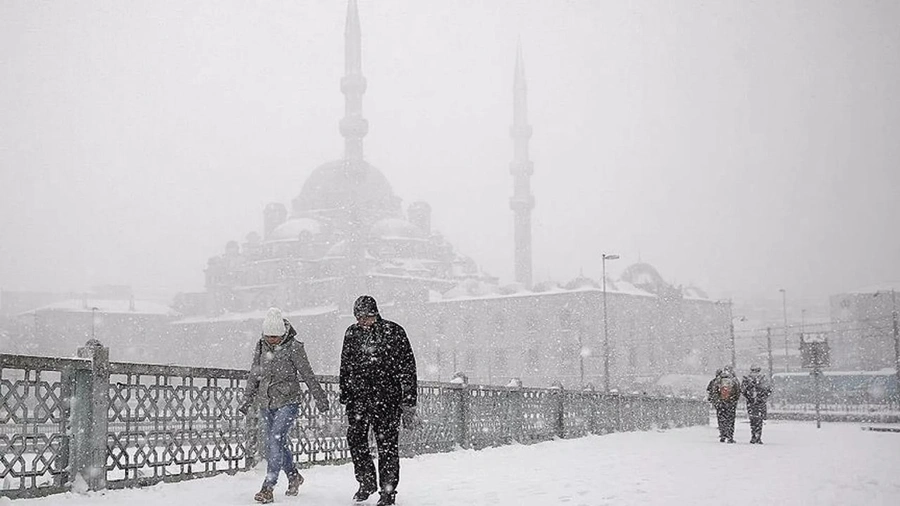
x=838 y=464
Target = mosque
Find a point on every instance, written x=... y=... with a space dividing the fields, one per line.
x=346 y=233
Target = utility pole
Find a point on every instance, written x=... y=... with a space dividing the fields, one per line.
x=93 y=312
x=784 y=312
x=733 y=350
x=730 y=305
x=604 y=257
x=896 y=334
x=769 y=348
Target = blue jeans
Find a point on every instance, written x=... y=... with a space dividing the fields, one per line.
x=277 y=424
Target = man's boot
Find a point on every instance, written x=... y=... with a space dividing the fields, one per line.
x=294 y=482
x=264 y=495
x=364 y=492
x=386 y=499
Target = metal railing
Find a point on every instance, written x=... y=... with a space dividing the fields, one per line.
x=90 y=423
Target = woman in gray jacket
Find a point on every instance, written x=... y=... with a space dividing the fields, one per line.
x=279 y=363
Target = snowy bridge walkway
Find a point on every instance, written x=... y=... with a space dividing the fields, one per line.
x=838 y=464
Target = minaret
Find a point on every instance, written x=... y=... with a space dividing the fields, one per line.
x=522 y=202
x=353 y=126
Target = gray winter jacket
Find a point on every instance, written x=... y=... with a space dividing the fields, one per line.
x=275 y=375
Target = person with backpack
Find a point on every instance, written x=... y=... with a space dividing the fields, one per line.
x=724 y=393
x=279 y=364
x=756 y=389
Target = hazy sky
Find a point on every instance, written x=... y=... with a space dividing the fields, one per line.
x=741 y=146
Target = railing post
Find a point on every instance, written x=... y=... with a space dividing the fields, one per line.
x=514 y=410
x=461 y=417
x=589 y=397
x=90 y=425
x=254 y=452
x=559 y=408
x=67 y=394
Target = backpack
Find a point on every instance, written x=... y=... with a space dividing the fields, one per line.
x=726 y=387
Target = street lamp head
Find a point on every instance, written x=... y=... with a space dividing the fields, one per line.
x=610 y=257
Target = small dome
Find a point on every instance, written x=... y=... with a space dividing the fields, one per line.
x=292 y=229
x=396 y=228
x=693 y=292
x=338 y=250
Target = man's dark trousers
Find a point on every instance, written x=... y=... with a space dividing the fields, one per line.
x=725 y=414
x=385 y=422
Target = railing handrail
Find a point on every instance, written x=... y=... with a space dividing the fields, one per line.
x=44 y=363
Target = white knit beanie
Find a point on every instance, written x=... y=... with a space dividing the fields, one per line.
x=273 y=325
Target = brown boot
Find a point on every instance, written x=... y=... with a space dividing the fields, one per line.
x=264 y=495
x=294 y=482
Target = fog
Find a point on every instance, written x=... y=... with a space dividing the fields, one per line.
x=739 y=146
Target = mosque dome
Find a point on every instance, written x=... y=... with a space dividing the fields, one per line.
x=396 y=228
x=291 y=229
x=347 y=185
x=643 y=275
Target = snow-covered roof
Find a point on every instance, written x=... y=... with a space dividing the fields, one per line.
x=108 y=306
x=691 y=292
x=887 y=286
x=455 y=296
x=411 y=265
x=622 y=286
x=881 y=372
x=257 y=315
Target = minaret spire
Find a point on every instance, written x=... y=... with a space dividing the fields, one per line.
x=353 y=85
x=522 y=202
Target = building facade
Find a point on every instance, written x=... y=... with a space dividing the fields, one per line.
x=863 y=336
x=346 y=233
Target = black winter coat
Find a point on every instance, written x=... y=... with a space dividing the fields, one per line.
x=756 y=389
x=378 y=366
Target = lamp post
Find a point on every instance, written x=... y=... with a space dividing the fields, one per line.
x=731 y=333
x=731 y=318
x=93 y=312
x=896 y=334
x=606 y=257
x=784 y=312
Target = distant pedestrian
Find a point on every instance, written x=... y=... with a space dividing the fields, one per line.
x=378 y=385
x=756 y=389
x=724 y=392
x=279 y=363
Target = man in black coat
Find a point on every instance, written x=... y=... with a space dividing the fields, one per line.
x=378 y=386
x=756 y=389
